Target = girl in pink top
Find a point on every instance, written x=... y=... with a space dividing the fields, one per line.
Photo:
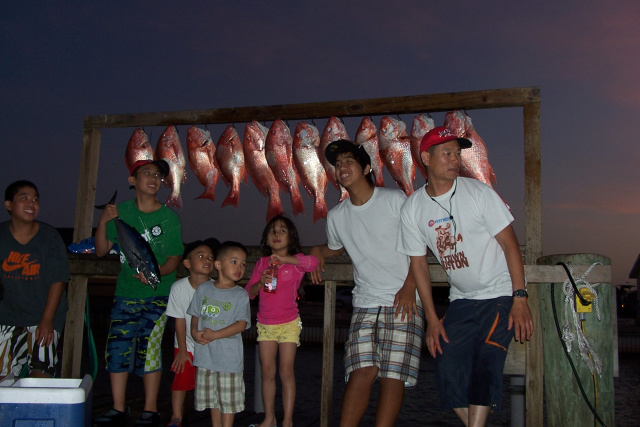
x=278 y=322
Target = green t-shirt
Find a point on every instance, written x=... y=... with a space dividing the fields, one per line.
x=163 y=230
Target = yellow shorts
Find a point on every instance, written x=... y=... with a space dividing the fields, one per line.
x=284 y=332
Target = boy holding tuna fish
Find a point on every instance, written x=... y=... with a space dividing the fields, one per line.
x=198 y=259
x=381 y=345
x=34 y=271
x=137 y=315
x=468 y=228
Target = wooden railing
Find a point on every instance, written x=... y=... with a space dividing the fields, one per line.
x=340 y=270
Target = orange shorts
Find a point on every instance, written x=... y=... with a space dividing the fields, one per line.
x=185 y=380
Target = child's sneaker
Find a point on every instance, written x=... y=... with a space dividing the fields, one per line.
x=176 y=422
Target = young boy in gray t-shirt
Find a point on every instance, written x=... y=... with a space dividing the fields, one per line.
x=220 y=313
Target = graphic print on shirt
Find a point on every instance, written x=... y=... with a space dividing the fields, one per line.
x=210 y=311
x=18 y=266
x=446 y=242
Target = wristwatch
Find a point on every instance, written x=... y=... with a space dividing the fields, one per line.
x=520 y=293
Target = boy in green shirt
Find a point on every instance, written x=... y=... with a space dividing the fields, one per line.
x=137 y=315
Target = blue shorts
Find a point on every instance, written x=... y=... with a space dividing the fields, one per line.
x=134 y=343
x=469 y=372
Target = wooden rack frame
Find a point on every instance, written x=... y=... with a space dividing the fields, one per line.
x=528 y=98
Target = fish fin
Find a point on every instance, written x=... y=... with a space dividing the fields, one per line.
x=175 y=201
x=232 y=199
x=274 y=208
x=110 y=202
x=209 y=193
x=296 y=202
x=344 y=194
x=320 y=210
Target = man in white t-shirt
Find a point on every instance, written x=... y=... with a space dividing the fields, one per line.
x=381 y=344
x=468 y=228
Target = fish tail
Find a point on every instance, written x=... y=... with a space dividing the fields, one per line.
x=344 y=194
x=274 y=208
x=232 y=199
x=209 y=193
x=320 y=210
x=296 y=202
x=174 y=200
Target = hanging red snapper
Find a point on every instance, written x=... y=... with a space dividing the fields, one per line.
x=202 y=160
x=367 y=136
x=170 y=150
x=230 y=159
x=279 y=154
x=395 y=151
x=138 y=148
x=475 y=160
x=421 y=125
x=333 y=131
x=256 y=163
x=306 y=140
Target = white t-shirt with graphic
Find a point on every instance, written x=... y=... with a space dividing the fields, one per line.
x=465 y=246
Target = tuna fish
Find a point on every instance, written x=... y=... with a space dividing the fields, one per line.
x=395 y=151
x=136 y=250
x=202 y=160
x=279 y=154
x=333 y=130
x=256 y=164
x=230 y=160
x=170 y=150
x=367 y=136
x=138 y=148
x=475 y=160
x=421 y=125
x=306 y=140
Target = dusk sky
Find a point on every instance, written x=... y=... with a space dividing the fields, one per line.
x=62 y=61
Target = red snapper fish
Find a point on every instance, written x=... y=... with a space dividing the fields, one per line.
x=256 y=163
x=202 y=160
x=333 y=131
x=306 y=140
x=279 y=154
x=170 y=150
x=395 y=150
x=475 y=160
x=138 y=148
x=421 y=125
x=230 y=159
x=367 y=136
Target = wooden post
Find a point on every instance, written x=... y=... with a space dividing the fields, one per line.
x=77 y=292
x=328 y=344
x=534 y=362
x=564 y=401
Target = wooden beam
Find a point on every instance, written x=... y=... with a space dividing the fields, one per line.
x=473 y=100
x=77 y=291
x=328 y=345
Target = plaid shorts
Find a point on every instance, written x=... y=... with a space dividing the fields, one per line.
x=134 y=343
x=18 y=348
x=219 y=390
x=285 y=332
x=377 y=338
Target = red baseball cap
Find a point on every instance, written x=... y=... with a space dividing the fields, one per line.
x=440 y=135
x=162 y=165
